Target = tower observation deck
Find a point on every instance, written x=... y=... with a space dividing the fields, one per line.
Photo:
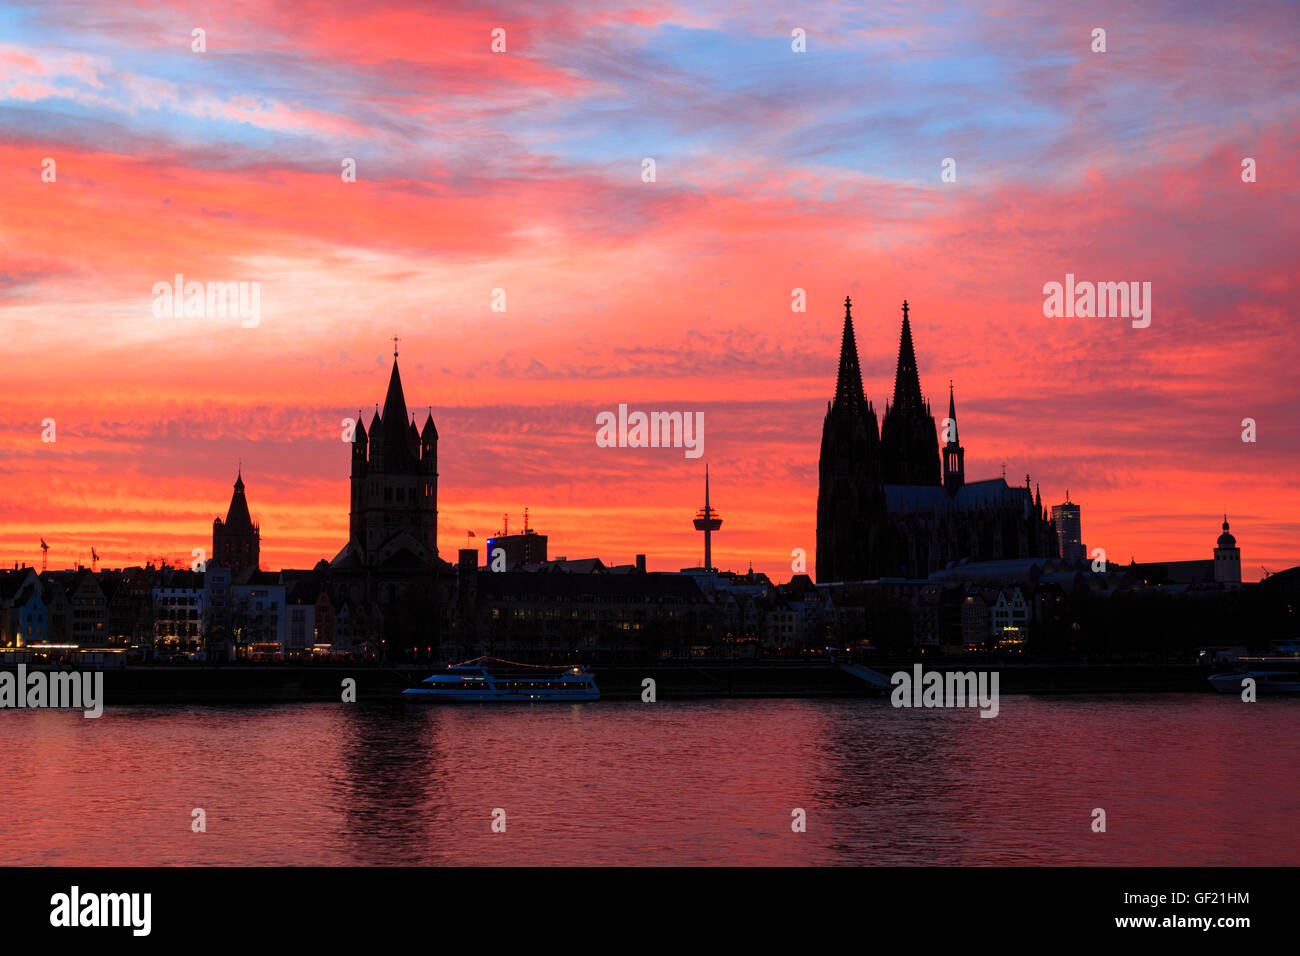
x=708 y=521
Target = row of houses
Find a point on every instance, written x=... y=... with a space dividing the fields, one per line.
x=562 y=609
x=894 y=613
x=548 y=610
x=589 y=609
x=1047 y=605
x=176 y=612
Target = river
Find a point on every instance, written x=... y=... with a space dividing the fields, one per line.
x=1183 y=779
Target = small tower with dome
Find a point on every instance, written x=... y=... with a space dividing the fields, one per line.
x=1227 y=558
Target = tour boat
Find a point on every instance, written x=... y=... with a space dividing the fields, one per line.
x=1266 y=682
x=490 y=679
x=1275 y=673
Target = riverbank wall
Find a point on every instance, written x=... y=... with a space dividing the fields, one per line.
x=676 y=680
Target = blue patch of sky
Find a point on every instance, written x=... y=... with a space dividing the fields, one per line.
x=681 y=92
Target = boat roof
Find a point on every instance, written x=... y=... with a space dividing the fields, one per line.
x=490 y=661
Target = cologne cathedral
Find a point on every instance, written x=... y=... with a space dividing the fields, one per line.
x=884 y=506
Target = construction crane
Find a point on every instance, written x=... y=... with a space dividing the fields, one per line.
x=45 y=551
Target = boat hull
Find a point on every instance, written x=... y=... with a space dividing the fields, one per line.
x=488 y=697
x=487 y=680
x=1265 y=682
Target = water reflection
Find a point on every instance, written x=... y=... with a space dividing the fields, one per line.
x=1184 y=779
x=390 y=785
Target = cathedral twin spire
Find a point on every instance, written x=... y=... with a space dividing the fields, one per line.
x=908 y=440
x=848 y=386
x=907 y=381
x=872 y=485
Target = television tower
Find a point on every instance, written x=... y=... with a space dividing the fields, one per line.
x=707 y=520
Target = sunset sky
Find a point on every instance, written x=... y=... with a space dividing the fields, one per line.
x=522 y=171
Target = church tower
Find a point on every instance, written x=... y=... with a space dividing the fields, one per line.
x=429 y=481
x=954 y=456
x=360 y=466
x=909 y=444
x=394 y=485
x=1227 y=558
x=236 y=542
x=849 y=493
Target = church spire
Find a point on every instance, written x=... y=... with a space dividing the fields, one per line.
x=238 y=520
x=954 y=456
x=236 y=542
x=848 y=386
x=907 y=381
x=952 y=416
x=849 y=489
x=908 y=437
x=398 y=455
x=395 y=400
